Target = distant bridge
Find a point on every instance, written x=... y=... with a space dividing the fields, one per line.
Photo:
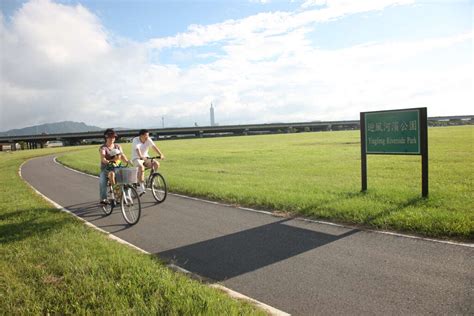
x=35 y=141
x=39 y=141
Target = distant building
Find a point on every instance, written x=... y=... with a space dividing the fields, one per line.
x=213 y=123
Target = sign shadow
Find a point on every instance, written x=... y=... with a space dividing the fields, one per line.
x=235 y=254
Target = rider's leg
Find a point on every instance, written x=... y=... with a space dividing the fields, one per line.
x=103 y=184
x=141 y=170
x=140 y=175
x=155 y=166
x=112 y=177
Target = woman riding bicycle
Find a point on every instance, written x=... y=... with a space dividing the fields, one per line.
x=105 y=158
x=140 y=146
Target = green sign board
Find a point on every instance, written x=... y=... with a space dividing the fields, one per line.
x=393 y=132
x=402 y=132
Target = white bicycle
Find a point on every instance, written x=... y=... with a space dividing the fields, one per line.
x=124 y=193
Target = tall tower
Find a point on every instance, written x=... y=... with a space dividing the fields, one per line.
x=212 y=116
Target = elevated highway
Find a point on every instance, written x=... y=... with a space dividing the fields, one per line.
x=35 y=141
x=39 y=141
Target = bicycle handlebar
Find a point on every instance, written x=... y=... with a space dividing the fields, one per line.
x=117 y=167
x=156 y=157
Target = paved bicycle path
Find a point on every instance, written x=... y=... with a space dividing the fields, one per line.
x=300 y=267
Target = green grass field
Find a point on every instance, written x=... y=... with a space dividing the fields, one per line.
x=51 y=263
x=318 y=175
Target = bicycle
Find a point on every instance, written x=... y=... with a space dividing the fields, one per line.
x=156 y=182
x=123 y=192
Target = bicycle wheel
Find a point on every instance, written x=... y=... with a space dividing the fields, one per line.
x=158 y=187
x=130 y=205
x=110 y=198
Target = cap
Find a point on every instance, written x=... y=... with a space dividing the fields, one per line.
x=110 y=132
x=114 y=152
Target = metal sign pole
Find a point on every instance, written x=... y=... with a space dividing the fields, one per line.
x=424 y=151
x=363 y=156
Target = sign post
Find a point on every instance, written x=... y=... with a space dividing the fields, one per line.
x=395 y=132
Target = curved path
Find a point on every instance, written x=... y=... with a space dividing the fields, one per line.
x=300 y=267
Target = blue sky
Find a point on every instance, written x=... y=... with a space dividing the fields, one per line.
x=257 y=61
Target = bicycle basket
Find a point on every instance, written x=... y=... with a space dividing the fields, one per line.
x=126 y=175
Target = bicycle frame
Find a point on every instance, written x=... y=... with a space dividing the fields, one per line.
x=159 y=195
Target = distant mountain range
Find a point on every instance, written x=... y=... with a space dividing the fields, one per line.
x=53 y=128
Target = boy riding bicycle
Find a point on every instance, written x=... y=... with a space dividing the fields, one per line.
x=140 y=146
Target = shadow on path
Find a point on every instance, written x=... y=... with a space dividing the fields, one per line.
x=87 y=210
x=235 y=254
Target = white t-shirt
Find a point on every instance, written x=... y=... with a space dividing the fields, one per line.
x=143 y=147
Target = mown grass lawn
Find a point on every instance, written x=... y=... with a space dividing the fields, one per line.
x=51 y=263
x=318 y=175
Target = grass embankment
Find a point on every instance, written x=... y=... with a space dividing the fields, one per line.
x=318 y=175
x=51 y=262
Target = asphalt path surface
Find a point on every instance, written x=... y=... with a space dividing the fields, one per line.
x=300 y=267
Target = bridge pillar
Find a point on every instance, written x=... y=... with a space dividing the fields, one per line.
x=199 y=134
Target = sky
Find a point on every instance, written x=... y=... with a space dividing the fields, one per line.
x=133 y=63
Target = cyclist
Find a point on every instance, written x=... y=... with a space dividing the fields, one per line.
x=140 y=146
x=105 y=157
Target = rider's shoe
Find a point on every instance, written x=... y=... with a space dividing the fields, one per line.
x=104 y=202
x=140 y=190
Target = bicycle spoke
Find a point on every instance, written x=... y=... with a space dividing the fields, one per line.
x=158 y=187
x=130 y=205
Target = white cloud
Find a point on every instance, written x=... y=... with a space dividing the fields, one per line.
x=266 y=70
x=270 y=23
x=354 y=6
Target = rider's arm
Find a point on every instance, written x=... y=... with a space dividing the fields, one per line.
x=139 y=153
x=124 y=157
x=155 y=148
x=158 y=151
x=137 y=150
x=102 y=157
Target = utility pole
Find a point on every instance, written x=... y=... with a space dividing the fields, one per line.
x=163 y=121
